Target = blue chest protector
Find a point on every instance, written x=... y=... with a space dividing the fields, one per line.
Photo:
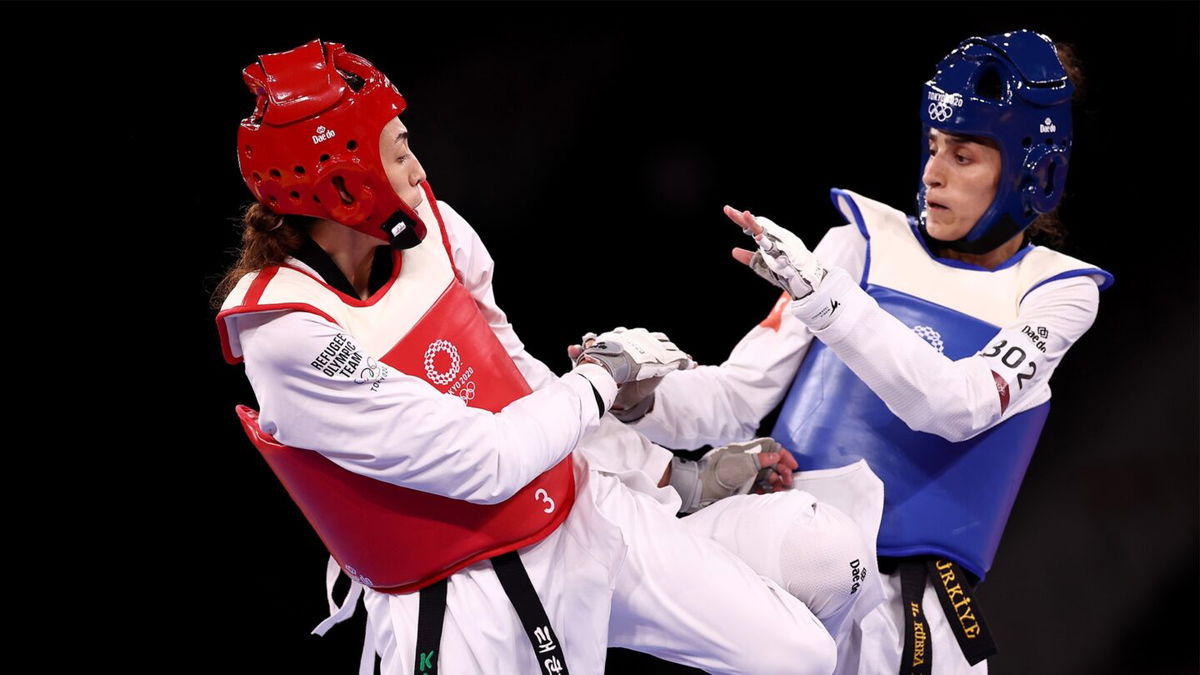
x=940 y=498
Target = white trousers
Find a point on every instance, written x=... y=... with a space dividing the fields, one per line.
x=621 y=571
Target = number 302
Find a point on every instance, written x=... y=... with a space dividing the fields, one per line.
x=1012 y=358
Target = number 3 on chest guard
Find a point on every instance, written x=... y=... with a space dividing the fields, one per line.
x=542 y=496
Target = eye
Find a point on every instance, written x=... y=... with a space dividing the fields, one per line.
x=962 y=159
x=402 y=158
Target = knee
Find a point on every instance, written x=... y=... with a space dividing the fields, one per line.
x=824 y=560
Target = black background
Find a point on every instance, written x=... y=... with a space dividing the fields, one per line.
x=592 y=147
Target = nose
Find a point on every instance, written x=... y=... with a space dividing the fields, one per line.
x=932 y=176
x=417 y=176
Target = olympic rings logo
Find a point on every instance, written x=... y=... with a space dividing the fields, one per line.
x=468 y=392
x=431 y=372
x=940 y=112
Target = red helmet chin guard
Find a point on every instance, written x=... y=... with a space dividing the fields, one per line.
x=311 y=147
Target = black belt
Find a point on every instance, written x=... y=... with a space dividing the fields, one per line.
x=956 y=592
x=519 y=589
x=431 y=610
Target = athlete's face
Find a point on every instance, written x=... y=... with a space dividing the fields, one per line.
x=403 y=170
x=960 y=183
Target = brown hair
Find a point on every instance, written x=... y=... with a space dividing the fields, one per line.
x=267 y=239
x=1047 y=229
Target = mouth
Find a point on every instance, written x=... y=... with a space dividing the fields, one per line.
x=936 y=206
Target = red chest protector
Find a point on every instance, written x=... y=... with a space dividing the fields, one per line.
x=390 y=538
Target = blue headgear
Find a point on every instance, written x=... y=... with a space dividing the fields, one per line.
x=1012 y=89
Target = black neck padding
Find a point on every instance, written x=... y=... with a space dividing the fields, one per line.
x=314 y=256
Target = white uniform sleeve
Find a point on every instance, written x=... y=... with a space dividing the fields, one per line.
x=611 y=450
x=475 y=264
x=960 y=399
x=715 y=405
x=399 y=429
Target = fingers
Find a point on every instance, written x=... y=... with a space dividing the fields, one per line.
x=785 y=475
x=774 y=482
x=742 y=255
x=573 y=352
x=744 y=220
x=782 y=464
x=788 y=460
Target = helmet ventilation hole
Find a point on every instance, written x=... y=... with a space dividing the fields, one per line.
x=354 y=81
x=1049 y=141
x=324 y=158
x=257 y=177
x=340 y=184
x=295 y=196
x=316 y=199
x=352 y=145
x=1026 y=142
x=275 y=173
x=249 y=151
x=1049 y=179
x=989 y=85
x=299 y=170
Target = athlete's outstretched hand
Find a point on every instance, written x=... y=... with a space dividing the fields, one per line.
x=781 y=258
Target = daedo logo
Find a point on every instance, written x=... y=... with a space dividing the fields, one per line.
x=858 y=574
x=1037 y=337
x=360 y=578
x=323 y=134
x=1047 y=126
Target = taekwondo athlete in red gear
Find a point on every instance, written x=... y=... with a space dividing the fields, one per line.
x=937 y=337
x=424 y=415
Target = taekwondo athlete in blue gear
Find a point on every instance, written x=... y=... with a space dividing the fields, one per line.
x=932 y=362
x=949 y=498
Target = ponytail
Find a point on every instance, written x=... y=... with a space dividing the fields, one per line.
x=267 y=239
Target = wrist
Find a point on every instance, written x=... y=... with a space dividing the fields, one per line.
x=828 y=306
x=685 y=478
x=601 y=381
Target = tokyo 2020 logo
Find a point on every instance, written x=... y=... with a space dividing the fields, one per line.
x=441 y=377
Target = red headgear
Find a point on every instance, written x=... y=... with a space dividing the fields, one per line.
x=311 y=148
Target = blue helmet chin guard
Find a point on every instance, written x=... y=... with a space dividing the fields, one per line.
x=1012 y=89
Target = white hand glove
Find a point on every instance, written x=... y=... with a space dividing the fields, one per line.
x=784 y=260
x=733 y=469
x=635 y=354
